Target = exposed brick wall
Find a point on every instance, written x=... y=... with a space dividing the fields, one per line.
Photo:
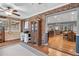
x=43 y=15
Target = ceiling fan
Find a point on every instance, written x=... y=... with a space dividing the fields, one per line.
x=9 y=11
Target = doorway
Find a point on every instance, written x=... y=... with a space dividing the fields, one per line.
x=36 y=32
x=63 y=38
x=62 y=32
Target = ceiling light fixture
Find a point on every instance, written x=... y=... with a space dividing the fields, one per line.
x=55 y=16
x=37 y=3
x=0 y=21
x=72 y=13
x=8 y=13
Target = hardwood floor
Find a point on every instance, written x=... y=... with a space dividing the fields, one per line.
x=61 y=44
x=52 y=43
x=40 y=48
x=48 y=51
x=10 y=42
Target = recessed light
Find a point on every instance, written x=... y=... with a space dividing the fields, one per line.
x=58 y=19
x=55 y=16
x=73 y=13
x=0 y=21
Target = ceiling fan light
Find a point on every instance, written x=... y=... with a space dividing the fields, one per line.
x=8 y=13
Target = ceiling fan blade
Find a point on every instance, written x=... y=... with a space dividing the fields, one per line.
x=1 y=9
x=16 y=14
x=3 y=17
x=15 y=11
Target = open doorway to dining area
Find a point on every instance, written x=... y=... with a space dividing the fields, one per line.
x=62 y=29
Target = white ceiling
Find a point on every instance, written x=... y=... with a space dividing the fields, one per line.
x=62 y=17
x=29 y=9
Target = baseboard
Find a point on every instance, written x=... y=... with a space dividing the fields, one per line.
x=12 y=40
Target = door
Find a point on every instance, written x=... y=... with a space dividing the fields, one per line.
x=36 y=32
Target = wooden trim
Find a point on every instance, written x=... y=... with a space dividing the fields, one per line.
x=2 y=35
x=39 y=33
x=12 y=40
x=62 y=8
x=22 y=22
